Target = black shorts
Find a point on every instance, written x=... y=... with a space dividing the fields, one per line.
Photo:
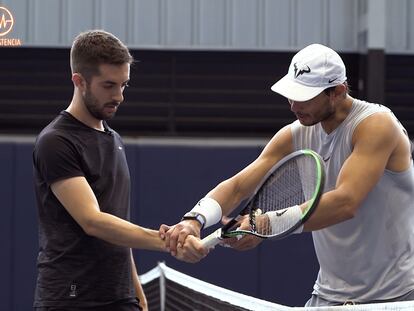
x=119 y=306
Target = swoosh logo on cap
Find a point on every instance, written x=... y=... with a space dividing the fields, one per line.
x=332 y=80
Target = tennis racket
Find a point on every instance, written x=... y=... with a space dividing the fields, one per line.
x=294 y=180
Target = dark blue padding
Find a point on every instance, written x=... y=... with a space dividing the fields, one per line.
x=7 y=186
x=24 y=229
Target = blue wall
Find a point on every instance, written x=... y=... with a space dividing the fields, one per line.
x=166 y=181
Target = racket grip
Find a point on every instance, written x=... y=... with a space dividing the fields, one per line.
x=212 y=239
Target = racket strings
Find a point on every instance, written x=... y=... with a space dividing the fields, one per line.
x=291 y=184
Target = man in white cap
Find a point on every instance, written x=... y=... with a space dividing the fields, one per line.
x=363 y=225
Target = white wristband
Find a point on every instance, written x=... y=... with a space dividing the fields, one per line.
x=210 y=209
x=284 y=219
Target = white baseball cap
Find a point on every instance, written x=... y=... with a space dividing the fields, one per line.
x=312 y=70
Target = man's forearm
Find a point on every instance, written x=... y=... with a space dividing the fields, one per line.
x=121 y=232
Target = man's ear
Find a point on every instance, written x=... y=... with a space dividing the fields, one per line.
x=78 y=81
x=339 y=90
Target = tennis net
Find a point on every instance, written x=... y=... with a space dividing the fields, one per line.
x=169 y=290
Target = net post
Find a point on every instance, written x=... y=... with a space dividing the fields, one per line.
x=162 y=286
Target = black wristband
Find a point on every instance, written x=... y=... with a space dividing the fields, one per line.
x=195 y=216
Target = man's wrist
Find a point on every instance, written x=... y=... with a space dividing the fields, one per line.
x=195 y=216
x=210 y=209
x=290 y=216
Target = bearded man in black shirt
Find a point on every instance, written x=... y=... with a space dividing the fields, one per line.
x=82 y=186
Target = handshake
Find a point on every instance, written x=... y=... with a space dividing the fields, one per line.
x=182 y=240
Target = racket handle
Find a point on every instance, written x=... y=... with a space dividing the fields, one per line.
x=212 y=239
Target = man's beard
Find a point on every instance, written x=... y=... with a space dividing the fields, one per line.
x=323 y=115
x=320 y=118
x=96 y=110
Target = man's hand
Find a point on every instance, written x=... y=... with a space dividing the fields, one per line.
x=174 y=236
x=192 y=250
x=242 y=242
x=143 y=305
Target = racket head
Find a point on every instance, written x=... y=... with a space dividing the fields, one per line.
x=296 y=179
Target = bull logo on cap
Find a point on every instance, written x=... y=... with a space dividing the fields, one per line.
x=300 y=70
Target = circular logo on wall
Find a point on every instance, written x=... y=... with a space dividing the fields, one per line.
x=6 y=21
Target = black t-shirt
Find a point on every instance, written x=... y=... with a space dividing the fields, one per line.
x=75 y=269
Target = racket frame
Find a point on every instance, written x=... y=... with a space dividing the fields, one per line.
x=223 y=232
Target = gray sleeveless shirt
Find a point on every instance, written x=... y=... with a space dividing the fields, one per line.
x=371 y=256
